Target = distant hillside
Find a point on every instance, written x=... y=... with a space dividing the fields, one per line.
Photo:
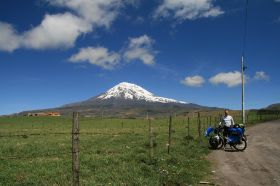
x=275 y=106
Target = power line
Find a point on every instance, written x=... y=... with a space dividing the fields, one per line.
x=245 y=29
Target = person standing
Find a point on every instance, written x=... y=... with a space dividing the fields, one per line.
x=226 y=122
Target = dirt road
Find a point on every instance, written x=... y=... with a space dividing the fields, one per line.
x=259 y=164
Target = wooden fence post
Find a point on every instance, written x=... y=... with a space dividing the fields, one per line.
x=204 y=125
x=151 y=140
x=199 y=124
x=215 y=121
x=75 y=149
x=188 y=128
x=169 y=134
x=220 y=118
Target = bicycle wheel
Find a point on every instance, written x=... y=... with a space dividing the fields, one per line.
x=221 y=143
x=242 y=145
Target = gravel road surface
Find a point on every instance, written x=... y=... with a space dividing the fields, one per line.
x=259 y=164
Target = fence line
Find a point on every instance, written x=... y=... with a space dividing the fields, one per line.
x=75 y=149
x=202 y=123
x=169 y=134
x=83 y=150
x=151 y=139
x=66 y=133
x=32 y=157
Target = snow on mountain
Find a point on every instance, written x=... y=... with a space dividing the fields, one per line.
x=131 y=91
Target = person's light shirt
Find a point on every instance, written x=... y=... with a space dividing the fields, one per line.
x=227 y=121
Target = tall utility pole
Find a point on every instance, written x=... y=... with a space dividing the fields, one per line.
x=242 y=63
x=243 y=89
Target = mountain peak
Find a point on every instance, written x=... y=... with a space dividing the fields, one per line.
x=130 y=91
x=126 y=84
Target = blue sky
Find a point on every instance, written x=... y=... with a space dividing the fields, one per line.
x=57 y=52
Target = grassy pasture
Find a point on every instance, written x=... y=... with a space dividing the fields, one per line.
x=37 y=151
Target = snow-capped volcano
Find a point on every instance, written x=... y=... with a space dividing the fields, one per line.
x=127 y=100
x=129 y=91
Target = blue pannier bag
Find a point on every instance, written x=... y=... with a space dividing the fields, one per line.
x=208 y=131
x=234 y=134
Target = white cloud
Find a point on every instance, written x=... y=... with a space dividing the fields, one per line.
x=230 y=79
x=56 y=31
x=261 y=75
x=9 y=39
x=140 y=48
x=194 y=81
x=62 y=30
x=99 y=56
x=97 y=12
x=187 y=9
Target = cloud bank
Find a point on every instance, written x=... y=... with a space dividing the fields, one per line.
x=139 y=48
x=56 y=31
x=230 y=79
x=187 y=9
x=9 y=39
x=96 y=12
x=62 y=30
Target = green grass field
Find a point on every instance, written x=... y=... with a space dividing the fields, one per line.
x=37 y=151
